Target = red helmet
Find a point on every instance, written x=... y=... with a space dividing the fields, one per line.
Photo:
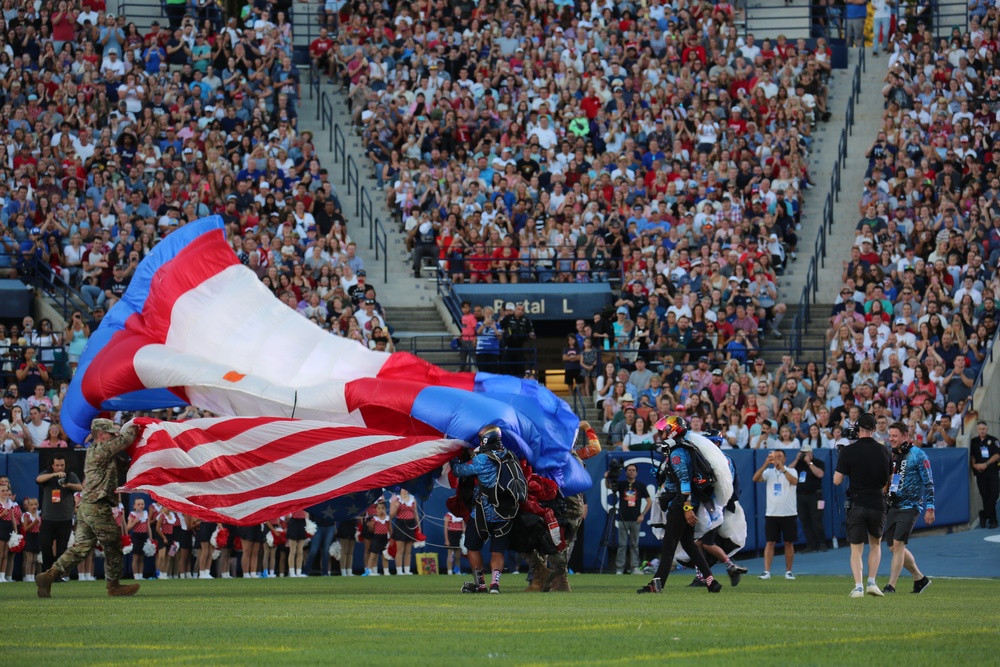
x=672 y=426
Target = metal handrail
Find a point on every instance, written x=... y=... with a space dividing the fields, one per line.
x=381 y=241
x=810 y=290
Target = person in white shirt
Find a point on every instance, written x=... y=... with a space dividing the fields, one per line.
x=781 y=515
x=546 y=135
x=881 y=20
x=968 y=287
x=113 y=64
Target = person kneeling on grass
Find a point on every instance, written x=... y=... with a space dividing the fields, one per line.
x=501 y=490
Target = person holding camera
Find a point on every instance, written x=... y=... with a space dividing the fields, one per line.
x=94 y=518
x=910 y=490
x=633 y=504
x=57 y=488
x=867 y=463
x=809 y=498
x=680 y=504
x=779 y=516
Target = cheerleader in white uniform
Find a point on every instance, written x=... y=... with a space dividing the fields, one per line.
x=296 y=543
x=138 y=529
x=380 y=525
x=10 y=519
x=31 y=523
x=404 y=510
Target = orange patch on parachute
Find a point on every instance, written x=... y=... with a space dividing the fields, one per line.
x=233 y=376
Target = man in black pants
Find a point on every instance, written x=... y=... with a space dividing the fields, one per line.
x=809 y=499
x=57 y=489
x=681 y=508
x=867 y=463
x=985 y=456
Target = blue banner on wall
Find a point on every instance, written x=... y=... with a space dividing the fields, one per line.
x=563 y=301
x=949 y=466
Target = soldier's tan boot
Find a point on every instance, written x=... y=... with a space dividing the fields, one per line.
x=559 y=582
x=45 y=580
x=116 y=590
x=539 y=577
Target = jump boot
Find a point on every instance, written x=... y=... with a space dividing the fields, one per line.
x=116 y=590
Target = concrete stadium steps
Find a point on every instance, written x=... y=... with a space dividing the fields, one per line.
x=822 y=160
x=396 y=287
x=421 y=331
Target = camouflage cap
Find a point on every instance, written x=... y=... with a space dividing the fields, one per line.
x=103 y=425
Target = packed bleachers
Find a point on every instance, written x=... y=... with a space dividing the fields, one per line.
x=916 y=316
x=652 y=148
x=112 y=139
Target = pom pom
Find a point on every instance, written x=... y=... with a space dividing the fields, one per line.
x=237 y=544
x=419 y=539
x=16 y=543
x=149 y=548
x=390 y=551
x=220 y=537
x=357 y=535
x=335 y=549
x=38 y=556
x=269 y=538
x=215 y=554
x=126 y=550
x=98 y=551
x=461 y=544
x=310 y=527
x=126 y=541
x=72 y=540
x=278 y=536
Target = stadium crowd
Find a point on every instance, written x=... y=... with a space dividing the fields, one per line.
x=913 y=322
x=650 y=147
x=111 y=139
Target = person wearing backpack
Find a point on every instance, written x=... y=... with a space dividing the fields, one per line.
x=497 y=498
x=680 y=499
x=781 y=515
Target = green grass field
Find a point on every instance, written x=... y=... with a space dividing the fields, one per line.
x=425 y=621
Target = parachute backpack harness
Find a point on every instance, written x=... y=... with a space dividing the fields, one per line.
x=511 y=488
x=704 y=475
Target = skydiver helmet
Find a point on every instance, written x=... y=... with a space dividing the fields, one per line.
x=490 y=438
x=672 y=426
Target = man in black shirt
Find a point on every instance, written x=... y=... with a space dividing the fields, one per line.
x=867 y=463
x=809 y=497
x=985 y=455
x=56 y=487
x=633 y=503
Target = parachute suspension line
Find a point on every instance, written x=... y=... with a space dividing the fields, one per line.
x=295 y=403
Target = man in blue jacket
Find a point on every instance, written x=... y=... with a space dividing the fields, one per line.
x=911 y=489
x=495 y=504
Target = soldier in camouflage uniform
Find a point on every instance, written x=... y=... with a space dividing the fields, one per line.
x=553 y=578
x=94 y=520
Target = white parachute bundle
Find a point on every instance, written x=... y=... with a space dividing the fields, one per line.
x=734 y=527
x=719 y=463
